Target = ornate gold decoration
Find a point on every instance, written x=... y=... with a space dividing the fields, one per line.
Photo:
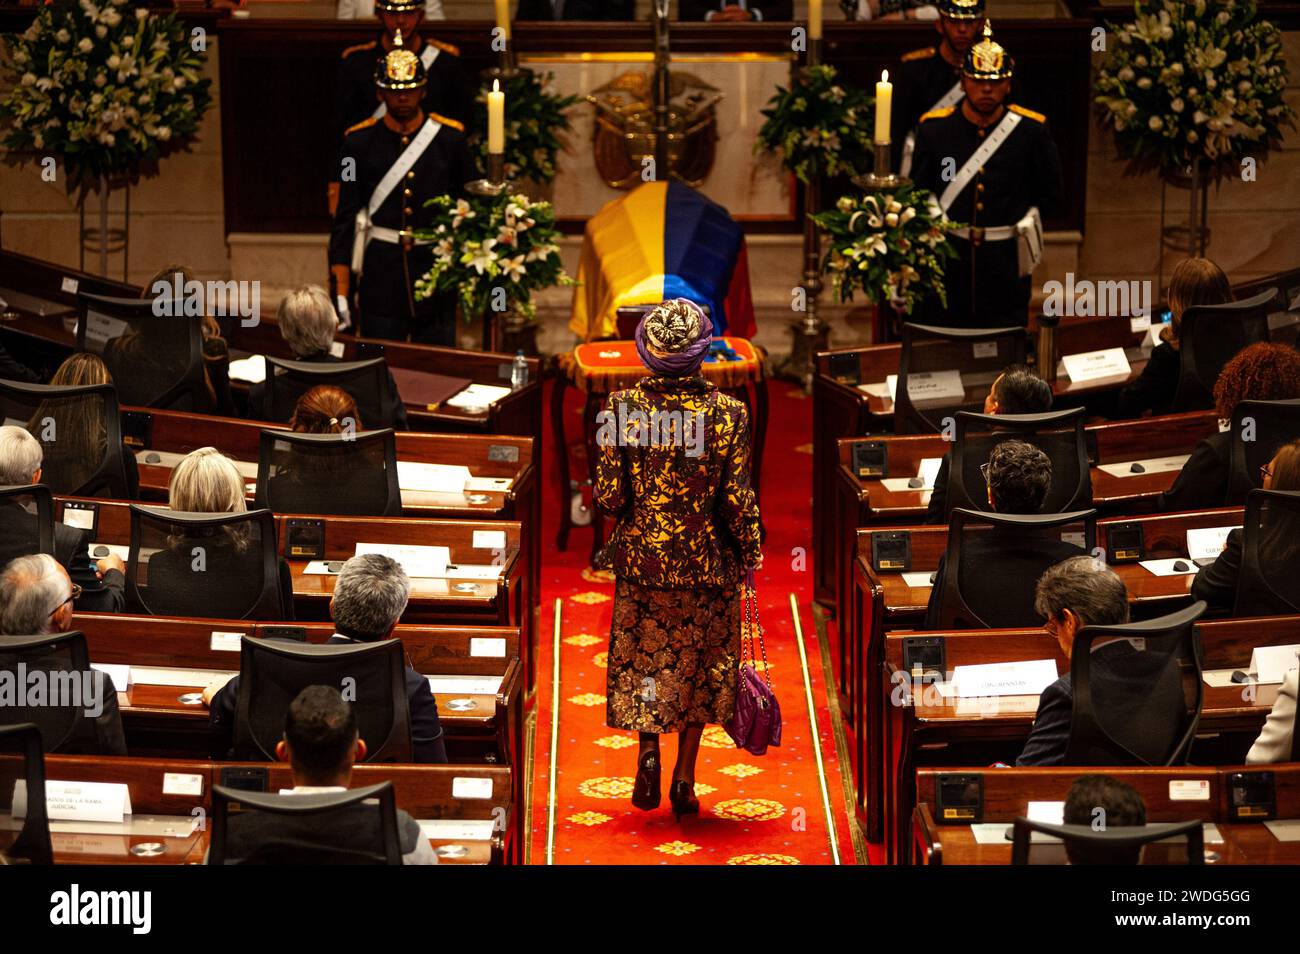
x=677 y=848
x=987 y=60
x=591 y=598
x=616 y=742
x=749 y=809
x=715 y=737
x=741 y=770
x=597 y=576
x=600 y=660
x=589 y=699
x=763 y=858
x=583 y=639
x=589 y=819
x=607 y=787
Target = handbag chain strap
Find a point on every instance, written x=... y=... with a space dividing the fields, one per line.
x=750 y=626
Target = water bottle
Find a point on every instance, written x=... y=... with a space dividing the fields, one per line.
x=518 y=371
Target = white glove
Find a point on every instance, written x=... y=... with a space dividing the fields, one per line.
x=345 y=313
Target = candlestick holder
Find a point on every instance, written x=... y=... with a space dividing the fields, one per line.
x=496 y=181
x=881 y=177
x=507 y=63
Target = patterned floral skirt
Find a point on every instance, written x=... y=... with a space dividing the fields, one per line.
x=673 y=657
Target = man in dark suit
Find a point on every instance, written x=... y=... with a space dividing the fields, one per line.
x=576 y=10
x=998 y=562
x=20 y=465
x=370 y=596
x=1073 y=594
x=716 y=11
x=1017 y=390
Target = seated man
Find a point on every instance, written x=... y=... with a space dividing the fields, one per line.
x=1019 y=476
x=36 y=597
x=1073 y=594
x=370 y=596
x=1017 y=390
x=321 y=745
x=1103 y=803
x=20 y=464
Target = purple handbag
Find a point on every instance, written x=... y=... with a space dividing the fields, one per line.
x=756 y=722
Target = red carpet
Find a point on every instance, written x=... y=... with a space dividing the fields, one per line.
x=754 y=810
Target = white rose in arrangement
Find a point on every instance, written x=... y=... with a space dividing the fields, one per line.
x=1177 y=105
x=86 y=44
x=891 y=219
x=128 y=42
x=114 y=61
x=1155 y=122
x=63 y=36
x=1126 y=74
x=101 y=31
x=1144 y=83
x=164 y=133
x=29 y=79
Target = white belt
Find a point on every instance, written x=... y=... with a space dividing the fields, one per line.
x=395 y=236
x=998 y=233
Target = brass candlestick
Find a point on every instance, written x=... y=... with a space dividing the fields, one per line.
x=496 y=181
x=881 y=177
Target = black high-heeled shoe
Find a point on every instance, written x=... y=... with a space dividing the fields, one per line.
x=645 y=790
x=682 y=797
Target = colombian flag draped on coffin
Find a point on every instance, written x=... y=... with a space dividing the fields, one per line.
x=662 y=240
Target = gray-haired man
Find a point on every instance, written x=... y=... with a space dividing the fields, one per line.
x=370 y=596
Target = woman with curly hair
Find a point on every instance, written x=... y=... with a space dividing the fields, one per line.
x=1261 y=372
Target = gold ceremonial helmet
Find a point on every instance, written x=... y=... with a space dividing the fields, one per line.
x=399 y=6
x=986 y=60
x=400 y=68
x=962 y=9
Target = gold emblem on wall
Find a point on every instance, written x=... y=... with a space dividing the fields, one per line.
x=625 y=121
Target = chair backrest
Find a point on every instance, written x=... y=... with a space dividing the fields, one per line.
x=1119 y=845
x=978 y=354
x=352 y=474
x=365 y=381
x=214 y=565
x=371 y=675
x=155 y=361
x=80 y=434
x=1058 y=434
x=1259 y=428
x=68 y=704
x=993 y=562
x=627 y=317
x=1137 y=701
x=31 y=531
x=23 y=760
x=1209 y=336
x=1268 y=584
x=357 y=827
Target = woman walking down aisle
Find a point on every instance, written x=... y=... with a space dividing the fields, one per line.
x=674 y=471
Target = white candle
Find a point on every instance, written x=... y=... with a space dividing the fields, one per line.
x=503 y=17
x=815 y=19
x=496 y=118
x=884 y=98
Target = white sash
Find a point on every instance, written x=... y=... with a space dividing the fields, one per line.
x=427 y=56
x=949 y=98
x=978 y=158
x=410 y=155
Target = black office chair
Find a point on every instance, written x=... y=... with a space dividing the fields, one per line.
x=27 y=521
x=65 y=713
x=357 y=827
x=1259 y=428
x=23 y=760
x=1144 y=710
x=1111 y=846
x=353 y=474
x=365 y=381
x=1058 y=434
x=980 y=354
x=1209 y=336
x=217 y=566
x=80 y=433
x=155 y=361
x=1268 y=584
x=994 y=560
x=372 y=676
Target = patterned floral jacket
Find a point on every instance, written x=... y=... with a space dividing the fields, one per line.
x=673 y=467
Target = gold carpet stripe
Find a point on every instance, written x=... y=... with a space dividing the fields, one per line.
x=816 y=736
x=555 y=733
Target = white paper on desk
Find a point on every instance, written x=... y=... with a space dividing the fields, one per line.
x=991 y=833
x=1139 y=323
x=415 y=560
x=1207 y=542
x=457 y=829
x=250 y=370
x=471 y=787
x=1152 y=465
x=477 y=396
x=1153 y=336
x=81 y=519
x=1049 y=813
x=483 y=485
x=1166 y=567
x=917 y=580
x=473 y=571
x=118 y=674
x=1219 y=678
x=454 y=686
x=1284 y=829
x=317 y=568
x=78 y=801
x=878 y=389
x=929 y=470
x=1095 y=365
x=899 y=485
x=432 y=478
x=1029 y=677
x=929 y=387
x=1270 y=664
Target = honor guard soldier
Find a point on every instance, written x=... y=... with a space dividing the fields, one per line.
x=930 y=78
x=390 y=167
x=450 y=91
x=993 y=167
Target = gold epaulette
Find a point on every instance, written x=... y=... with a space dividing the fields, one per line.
x=447 y=121
x=1027 y=113
x=360 y=46
x=445 y=47
x=361 y=125
x=922 y=54
x=938 y=113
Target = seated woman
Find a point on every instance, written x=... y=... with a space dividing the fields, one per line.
x=1195 y=281
x=1261 y=372
x=214 y=571
x=1217 y=583
x=1275 y=739
x=308 y=321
